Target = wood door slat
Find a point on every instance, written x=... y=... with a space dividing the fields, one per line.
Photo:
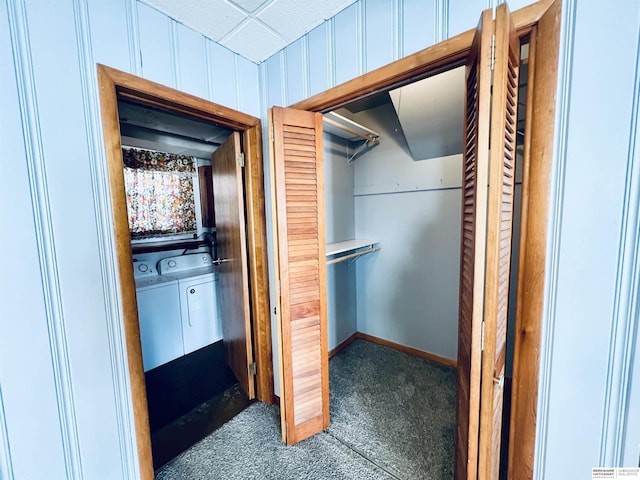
x=299 y=209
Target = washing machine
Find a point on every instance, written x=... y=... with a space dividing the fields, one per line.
x=159 y=315
x=197 y=284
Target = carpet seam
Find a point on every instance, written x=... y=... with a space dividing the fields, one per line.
x=362 y=455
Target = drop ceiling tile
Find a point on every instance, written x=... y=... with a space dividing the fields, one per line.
x=249 y=5
x=253 y=41
x=291 y=19
x=213 y=18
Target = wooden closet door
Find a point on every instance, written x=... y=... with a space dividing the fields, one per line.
x=499 y=223
x=475 y=177
x=299 y=236
x=231 y=245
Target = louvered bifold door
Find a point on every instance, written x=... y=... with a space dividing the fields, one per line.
x=499 y=226
x=297 y=178
x=475 y=172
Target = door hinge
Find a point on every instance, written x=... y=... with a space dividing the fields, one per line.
x=253 y=369
x=482 y=338
x=240 y=159
x=493 y=52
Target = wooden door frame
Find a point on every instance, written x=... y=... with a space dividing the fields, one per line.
x=115 y=84
x=541 y=21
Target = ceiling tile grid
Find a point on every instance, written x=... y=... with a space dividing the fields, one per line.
x=256 y=29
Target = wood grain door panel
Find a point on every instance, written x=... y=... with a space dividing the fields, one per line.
x=499 y=232
x=297 y=178
x=231 y=244
x=475 y=177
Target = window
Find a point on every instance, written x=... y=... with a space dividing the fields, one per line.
x=162 y=195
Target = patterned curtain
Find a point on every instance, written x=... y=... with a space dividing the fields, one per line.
x=160 y=196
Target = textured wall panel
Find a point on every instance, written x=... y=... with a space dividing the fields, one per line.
x=248 y=86
x=156 y=45
x=595 y=123
x=297 y=75
x=109 y=32
x=380 y=27
x=464 y=15
x=222 y=80
x=275 y=82
x=347 y=44
x=320 y=63
x=418 y=25
x=191 y=62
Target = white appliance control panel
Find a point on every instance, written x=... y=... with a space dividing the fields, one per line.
x=184 y=263
x=143 y=269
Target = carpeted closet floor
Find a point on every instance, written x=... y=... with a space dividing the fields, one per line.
x=392 y=417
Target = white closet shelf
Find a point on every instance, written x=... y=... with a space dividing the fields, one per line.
x=354 y=132
x=347 y=246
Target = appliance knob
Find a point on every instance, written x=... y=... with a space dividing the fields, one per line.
x=192 y=291
x=143 y=267
x=172 y=263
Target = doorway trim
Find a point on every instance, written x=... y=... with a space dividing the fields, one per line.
x=541 y=21
x=114 y=84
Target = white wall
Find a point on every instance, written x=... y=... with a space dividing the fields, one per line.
x=63 y=376
x=408 y=291
x=340 y=225
x=588 y=415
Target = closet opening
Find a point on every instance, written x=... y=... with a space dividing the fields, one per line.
x=477 y=450
x=393 y=289
x=185 y=178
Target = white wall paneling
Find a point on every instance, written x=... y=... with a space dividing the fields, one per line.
x=381 y=25
x=420 y=25
x=111 y=35
x=190 y=55
x=106 y=256
x=347 y=54
x=297 y=74
x=319 y=44
x=624 y=327
x=24 y=51
x=25 y=357
x=248 y=84
x=62 y=359
x=156 y=46
x=584 y=360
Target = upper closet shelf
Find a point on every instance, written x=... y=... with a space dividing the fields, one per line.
x=359 y=247
x=354 y=132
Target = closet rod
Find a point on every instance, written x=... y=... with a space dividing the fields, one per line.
x=352 y=255
x=346 y=128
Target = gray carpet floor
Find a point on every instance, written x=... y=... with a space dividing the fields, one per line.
x=392 y=417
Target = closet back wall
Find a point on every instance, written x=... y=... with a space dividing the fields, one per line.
x=63 y=368
x=408 y=291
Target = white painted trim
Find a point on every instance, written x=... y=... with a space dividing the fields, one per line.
x=174 y=55
x=106 y=244
x=209 y=65
x=622 y=338
x=133 y=34
x=361 y=38
x=441 y=17
x=52 y=296
x=236 y=72
x=331 y=52
x=398 y=29
x=556 y=207
x=306 y=80
x=6 y=465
